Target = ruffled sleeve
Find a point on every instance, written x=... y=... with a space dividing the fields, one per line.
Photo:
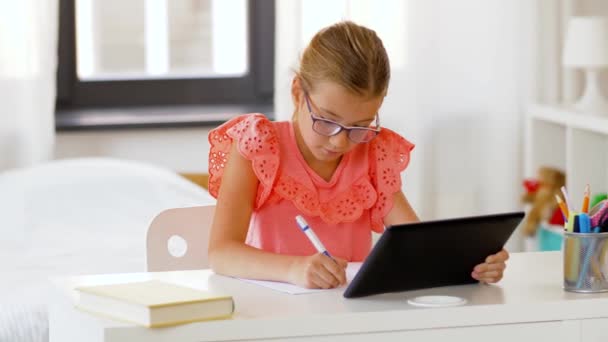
x=390 y=155
x=256 y=140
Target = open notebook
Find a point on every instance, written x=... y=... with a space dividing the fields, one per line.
x=351 y=270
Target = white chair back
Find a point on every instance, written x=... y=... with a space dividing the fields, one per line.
x=177 y=239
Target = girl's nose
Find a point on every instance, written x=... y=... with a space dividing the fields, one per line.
x=340 y=141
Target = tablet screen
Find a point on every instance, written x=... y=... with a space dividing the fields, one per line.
x=431 y=253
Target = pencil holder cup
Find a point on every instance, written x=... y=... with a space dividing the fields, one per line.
x=586 y=262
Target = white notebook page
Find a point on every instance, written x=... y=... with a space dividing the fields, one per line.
x=351 y=270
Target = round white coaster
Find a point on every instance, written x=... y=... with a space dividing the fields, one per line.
x=436 y=301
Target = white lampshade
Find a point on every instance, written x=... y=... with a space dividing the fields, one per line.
x=586 y=43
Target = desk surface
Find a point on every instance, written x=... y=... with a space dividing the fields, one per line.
x=531 y=291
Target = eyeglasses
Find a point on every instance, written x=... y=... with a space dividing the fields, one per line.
x=330 y=128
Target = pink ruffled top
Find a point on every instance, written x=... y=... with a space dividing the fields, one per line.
x=342 y=211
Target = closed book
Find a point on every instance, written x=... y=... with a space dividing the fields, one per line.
x=154 y=303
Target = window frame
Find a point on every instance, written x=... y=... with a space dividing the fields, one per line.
x=254 y=88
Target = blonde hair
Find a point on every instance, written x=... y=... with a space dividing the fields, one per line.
x=348 y=54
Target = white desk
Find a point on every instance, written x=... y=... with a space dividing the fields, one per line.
x=528 y=304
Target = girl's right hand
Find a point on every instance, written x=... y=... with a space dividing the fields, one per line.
x=318 y=271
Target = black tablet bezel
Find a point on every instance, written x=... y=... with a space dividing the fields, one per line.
x=431 y=253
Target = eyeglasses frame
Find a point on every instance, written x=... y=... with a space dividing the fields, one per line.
x=348 y=129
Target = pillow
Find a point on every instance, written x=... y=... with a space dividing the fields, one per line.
x=90 y=194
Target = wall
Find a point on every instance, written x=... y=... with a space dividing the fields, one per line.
x=179 y=149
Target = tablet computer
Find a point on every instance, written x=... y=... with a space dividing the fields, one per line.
x=431 y=254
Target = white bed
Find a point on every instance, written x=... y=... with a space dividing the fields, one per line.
x=76 y=216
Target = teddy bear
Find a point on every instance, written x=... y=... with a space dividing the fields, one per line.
x=540 y=194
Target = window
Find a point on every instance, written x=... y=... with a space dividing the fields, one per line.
x=120 y=53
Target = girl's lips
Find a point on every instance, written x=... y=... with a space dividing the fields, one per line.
x=330 y=152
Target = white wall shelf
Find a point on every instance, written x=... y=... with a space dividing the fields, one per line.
x=573 y=142
x=570 y=118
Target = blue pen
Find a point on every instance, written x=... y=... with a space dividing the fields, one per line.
x=586 y=261
x=590 y=248
x=312 y=236
x=584 y=223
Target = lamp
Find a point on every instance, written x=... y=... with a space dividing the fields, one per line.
x=586 y=47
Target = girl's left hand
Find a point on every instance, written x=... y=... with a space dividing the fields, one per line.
x=492 y=270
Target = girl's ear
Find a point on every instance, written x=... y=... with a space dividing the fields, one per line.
x=296 y=91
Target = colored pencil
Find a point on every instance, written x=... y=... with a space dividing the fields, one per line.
x=585 y=208
x=566 y=199
x=562 y=207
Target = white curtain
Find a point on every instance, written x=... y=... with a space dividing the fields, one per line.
x=28 y=62
x=462 y=74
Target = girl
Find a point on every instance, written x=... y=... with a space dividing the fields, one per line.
x=333 y=164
